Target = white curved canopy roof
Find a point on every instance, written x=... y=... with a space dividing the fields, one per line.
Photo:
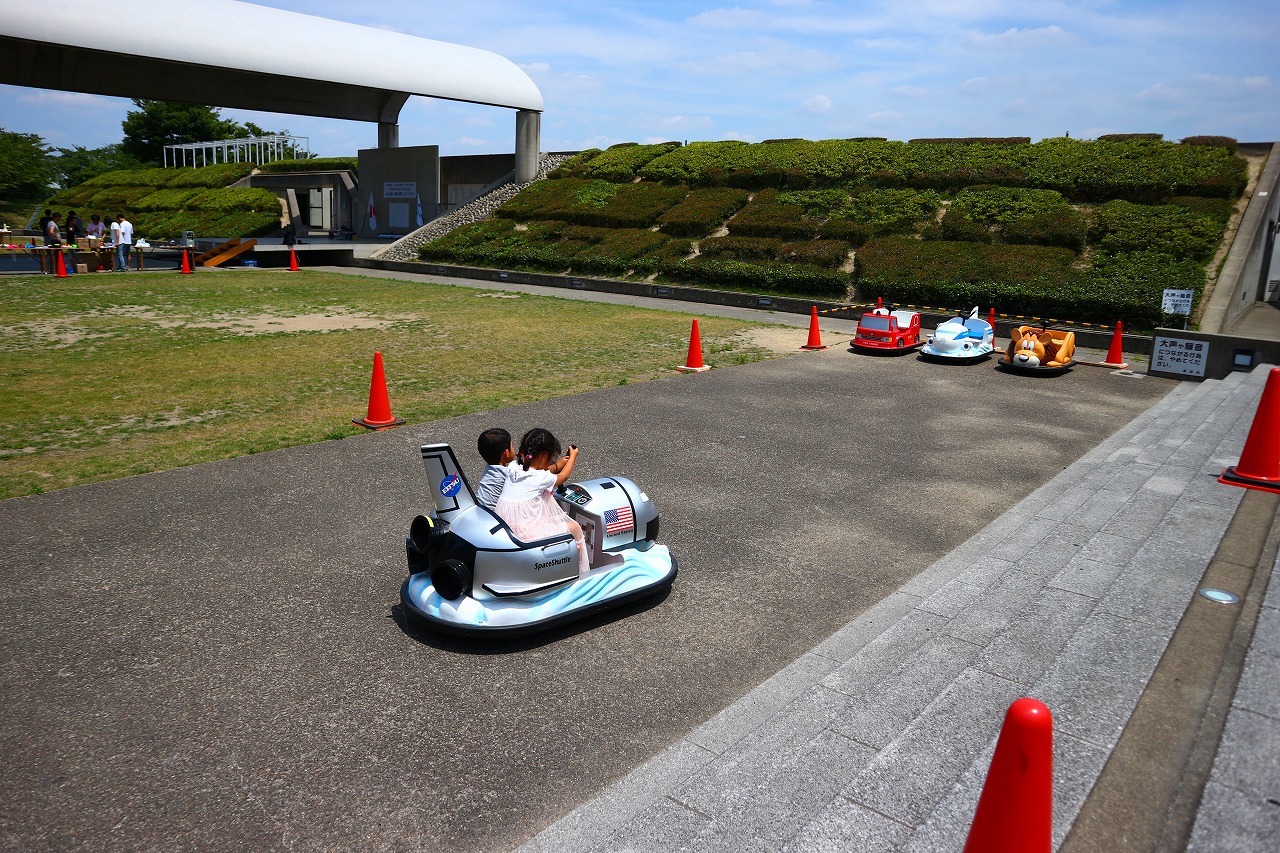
x=232 y=54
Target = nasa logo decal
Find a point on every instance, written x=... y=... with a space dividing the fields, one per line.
x=451 y=485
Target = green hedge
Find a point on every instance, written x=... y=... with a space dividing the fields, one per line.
x=797 y=279
x=620 y=162
x=1140 y=169
x=317 y=164
x=594 y=202
x=702 y=210
x=766 y=215
x=1028 y=280
x=254 y=200
x=219 y=175
x=1120 y=226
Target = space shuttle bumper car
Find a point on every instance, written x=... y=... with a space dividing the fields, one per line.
x=468 y=574
x=961 y=340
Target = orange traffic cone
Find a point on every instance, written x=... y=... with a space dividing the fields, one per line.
x=1259 y=465
x=293 y=260
x=1015 y=811
x=186 y=263
x=879 y=302
x=1115 y=352
x=379 y=415
x=815 y=335
x=61 y=264
x=693 y=361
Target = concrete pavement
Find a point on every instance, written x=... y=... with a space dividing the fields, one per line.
x=209 y=658
x=880 y=737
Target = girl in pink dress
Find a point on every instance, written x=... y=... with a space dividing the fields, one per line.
x=527 y=504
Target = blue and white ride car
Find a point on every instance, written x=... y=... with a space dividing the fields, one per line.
x=961 y=339
x=469 y=574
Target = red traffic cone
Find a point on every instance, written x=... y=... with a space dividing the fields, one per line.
x=693 y=361
x=815 y=335
x=1115 y=352
x=991 y=319
x=1015 y=811
x=1259 y=465
x=61 y=264
x=186 y=263
x=293 y=260
x=879 y=302
x=379 y=415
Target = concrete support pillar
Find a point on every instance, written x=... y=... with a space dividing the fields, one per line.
x=528 y=143
x=388 y=134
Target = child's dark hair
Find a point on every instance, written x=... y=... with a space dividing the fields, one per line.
x=492 y=443
x=536 y=442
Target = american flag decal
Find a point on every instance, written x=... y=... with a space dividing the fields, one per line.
x=618 y=520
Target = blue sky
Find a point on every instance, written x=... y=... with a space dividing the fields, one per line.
x=758 y=69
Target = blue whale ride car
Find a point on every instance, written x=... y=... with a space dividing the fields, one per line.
x=470 y=575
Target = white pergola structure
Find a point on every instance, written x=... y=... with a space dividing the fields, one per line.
x=253 y=149
x=228 y=53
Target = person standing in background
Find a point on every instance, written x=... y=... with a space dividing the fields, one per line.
x=122 y=236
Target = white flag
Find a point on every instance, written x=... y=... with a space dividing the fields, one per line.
x=373 y=215
x=419 y=210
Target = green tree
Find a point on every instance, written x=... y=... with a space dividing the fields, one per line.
x=26 y=166
x=156 y=124
x=79 y=164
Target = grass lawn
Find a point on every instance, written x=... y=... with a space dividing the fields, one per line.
x=107 y=376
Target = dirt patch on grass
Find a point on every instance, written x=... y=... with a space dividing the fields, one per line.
x=78 y=328
x=782 y=340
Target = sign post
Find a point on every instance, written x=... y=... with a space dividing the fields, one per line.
x=1178 y=302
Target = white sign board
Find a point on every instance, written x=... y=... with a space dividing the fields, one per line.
x=1178 y=355
x=400 y=189
x=399 y=215
x=1177 y=302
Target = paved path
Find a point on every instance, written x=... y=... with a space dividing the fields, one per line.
x=879 y=738
x=214 y=658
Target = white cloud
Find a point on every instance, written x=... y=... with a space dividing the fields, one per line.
x=685 y=122
x=1018 y=38
x=1262 y=82
x=818 y=103
x=66 y=100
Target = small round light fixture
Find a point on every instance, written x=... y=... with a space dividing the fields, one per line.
x=1219 y=595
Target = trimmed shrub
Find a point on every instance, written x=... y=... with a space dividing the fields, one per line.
x=1065 y=227
x=1120 y=226
x=973 y=140
x=1217 y=209
x=619 y=163
x=702 y=210
x=594 y=202
x=219 y=175
x=572 y=168
x=767 y=216
x=880 y=212
x=818 y=253
x=795 y=279
x=955 y=226
x=316 y=164
x=1212 y=141
x=1002 y=205
x=244 y=199
x=741 y=248
x=168 y=199
x=1130 y=137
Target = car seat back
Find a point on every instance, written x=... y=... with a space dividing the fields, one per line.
x=449 y=487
